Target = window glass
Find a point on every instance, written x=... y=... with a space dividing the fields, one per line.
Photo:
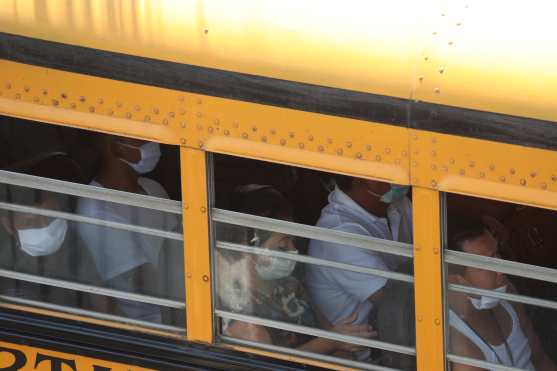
x=500 y=274
x=89 y=249
x=335 y=283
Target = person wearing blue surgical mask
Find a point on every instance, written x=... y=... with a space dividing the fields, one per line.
x=127 y=261
x=482 y=326
x=365 y=207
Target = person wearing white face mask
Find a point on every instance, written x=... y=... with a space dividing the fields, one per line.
x=485 y=327
x=266 y=286
x=125 y=260
x=369 y=208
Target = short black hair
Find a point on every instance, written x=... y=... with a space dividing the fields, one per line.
x=261 y=200
x=461 y=229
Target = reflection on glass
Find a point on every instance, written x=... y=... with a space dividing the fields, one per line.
x=90 y=254
x=481 y=326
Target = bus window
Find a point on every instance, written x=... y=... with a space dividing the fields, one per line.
x=338 y=288
x=500 y=271
x=97 y=237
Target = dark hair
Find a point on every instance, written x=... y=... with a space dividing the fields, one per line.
x=261 y=201
x=462 y=229
x=344 y=182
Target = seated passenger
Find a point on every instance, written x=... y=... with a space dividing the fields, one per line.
x=363 y=207
x=126 y=261
x=35 y=244
x=265 y=286
x=487 y=328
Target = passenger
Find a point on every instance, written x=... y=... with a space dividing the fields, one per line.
x=363 y=207
x=126 y=261
x=265 y=286
x=35 y=244
x=484 y=327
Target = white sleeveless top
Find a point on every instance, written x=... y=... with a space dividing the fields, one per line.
x=517 y=342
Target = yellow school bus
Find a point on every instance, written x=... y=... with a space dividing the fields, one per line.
x=455 y=99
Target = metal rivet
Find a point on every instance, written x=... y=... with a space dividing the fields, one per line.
x=100 y=101
x=414 y=163
x=415 y=136
x=339 y=151
x=387 y=150
x=533 y=174
x=420 y=78
x=210 y=129
x=434 y=33
x=181 y=99
x=348 y=144
x=437 y=321
x=554 y=178
x=291 y=135
x=404 y=153
x=273 y=131
x=172 y=114
x=433 y=140
x=199 y=127
x=36 y=99
x=513 y=171
x=18 y=96
x=433 y=153
x=183 y=124
x=426 y=58
x=482 y=174
x=502 y=179
x=282 y=142
x=444 y=168
x=397 y=161
x=55 y=102
x=81 y=99
x=200 y=144
x=310 y=138
x=128 y=115
x=329 y=140
x=434 y=184
x=235 y=125
x=203 y=209
x=435 y=250
x=451 y=161
x=416 y=181
x=110 y=112
x=377 y=158
x=450 y=43
x=183 y=141
x=437 y=90
x=199 y=101
x=45 y=92
x=523 y=182
x=73 y=105
x=358 y=155
x=63 y=95
x=188 y=275
x=492 y=167
x=186 y=206
x=544 y=186
x=91 y=109
x=472 y=164
x=368 y=147
x=245 y=135
x=433 y=167
x=320 y=148
x=441 y=70
x=165 y=122
x=156 y=111
x=147 y=118
x=137 y=108
x=458 y=24
x=182 y=112
x=420 y=318
x=462 y=172
x=301 y=145
x=119 y=104
x=206 y=31
x=264 y=139
x=226 y=132
x=205 y=278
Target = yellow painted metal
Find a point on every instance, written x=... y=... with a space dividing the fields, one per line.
x=480 y=168
x=428 y=284
x=199 y=310
x=29 y=356
x=474 y=57
x=367 y=47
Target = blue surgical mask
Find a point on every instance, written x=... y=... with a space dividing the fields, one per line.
x=396 y=193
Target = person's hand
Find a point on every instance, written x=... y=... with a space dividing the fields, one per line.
x=346 y=326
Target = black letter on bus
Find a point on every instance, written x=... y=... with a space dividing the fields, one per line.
x=100 y=368
x=19 y=359
x=55 y=363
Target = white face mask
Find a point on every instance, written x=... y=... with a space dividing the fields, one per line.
x=43 y=241
x=277 y=267
x=487 y=302
x=150 y=156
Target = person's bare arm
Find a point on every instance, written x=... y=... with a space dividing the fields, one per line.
x=462 y=346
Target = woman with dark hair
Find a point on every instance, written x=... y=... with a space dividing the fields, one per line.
x=264 y=286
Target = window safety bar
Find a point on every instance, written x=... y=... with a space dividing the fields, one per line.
x=480 y=364
x=94 y=221
x=316 y=332
x=500 y=265
x=91 y=289
x=503 y=295
x=311 y=232
x=91 y=314
x=311 y=260
x=88 y=191
x=301 y=353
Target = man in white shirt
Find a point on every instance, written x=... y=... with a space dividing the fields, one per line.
x=363 y=207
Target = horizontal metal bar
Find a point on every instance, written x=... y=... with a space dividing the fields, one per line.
x=314 y=233
x=316 y=332
x=88 y=220
x=91 y=289
x=300 y=353
x=480 y=364
x=88 y=191
x=500 y=265
x=505 y=296
x=311 y=260
x=91 y=314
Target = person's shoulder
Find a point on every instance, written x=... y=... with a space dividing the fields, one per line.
x=152 y=187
